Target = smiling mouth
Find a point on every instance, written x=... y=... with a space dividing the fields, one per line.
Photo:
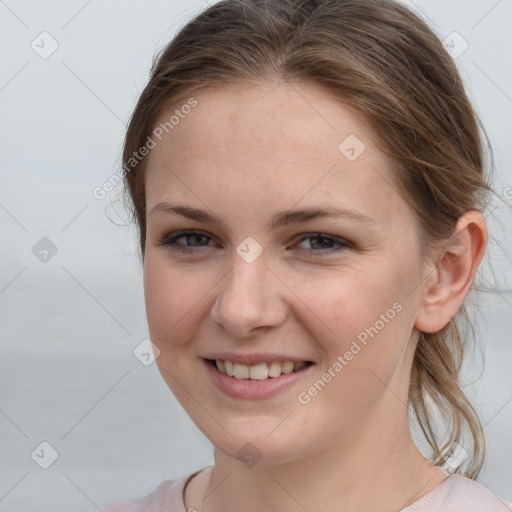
x=259 y=371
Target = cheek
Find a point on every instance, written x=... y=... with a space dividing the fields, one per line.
x=363 y=323
x=173 y=300
x=170 y=296
x=344 y=305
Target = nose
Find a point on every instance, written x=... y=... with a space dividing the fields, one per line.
x=249 y=297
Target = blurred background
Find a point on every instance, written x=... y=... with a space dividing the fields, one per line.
x=84 y=418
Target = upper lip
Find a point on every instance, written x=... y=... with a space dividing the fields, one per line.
x=254 y=358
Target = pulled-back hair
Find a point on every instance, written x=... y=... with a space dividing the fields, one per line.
x=384 y=61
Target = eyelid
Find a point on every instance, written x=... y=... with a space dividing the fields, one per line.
x=343 y=244
x=170 y=241
x=170 y=237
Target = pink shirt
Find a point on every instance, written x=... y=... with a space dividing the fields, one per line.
x=455 y=494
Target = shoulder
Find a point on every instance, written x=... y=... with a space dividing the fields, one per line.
x=460 y=494
x=476 y=496
x=148 y=503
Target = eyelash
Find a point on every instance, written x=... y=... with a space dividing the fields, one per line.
x=171 y=242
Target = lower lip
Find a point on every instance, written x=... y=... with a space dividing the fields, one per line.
x=254 y=389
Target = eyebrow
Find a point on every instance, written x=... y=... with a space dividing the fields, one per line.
x=279 y=219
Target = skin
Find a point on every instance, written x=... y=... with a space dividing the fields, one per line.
x=243 y=154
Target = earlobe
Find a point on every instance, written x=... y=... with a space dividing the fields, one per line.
x=454 y=273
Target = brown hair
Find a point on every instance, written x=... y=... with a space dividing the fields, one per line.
x=383 y=60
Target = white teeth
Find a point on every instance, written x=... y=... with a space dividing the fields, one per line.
x=274 y=369
x=287 y=367
x=241 y=371
x=229 y=367
x=259 y=371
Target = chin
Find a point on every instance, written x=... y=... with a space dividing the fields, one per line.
x=255 y=442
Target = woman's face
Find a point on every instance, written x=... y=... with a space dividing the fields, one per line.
x=264 y=278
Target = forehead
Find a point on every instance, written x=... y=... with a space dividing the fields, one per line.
x=271 y=145
x=250 y=115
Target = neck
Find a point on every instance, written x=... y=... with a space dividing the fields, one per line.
x=376 y=466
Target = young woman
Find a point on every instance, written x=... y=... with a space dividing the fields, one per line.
x=308 y=182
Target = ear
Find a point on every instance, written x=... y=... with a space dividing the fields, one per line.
x=446 y=287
